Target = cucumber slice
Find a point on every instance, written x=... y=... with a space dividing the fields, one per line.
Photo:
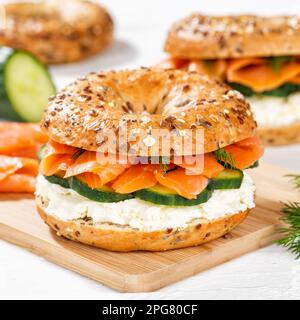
x=164 y=196
x=104 y=194
x=227 y=179
x=57 y=180
x=25 y=86
x=40 y=153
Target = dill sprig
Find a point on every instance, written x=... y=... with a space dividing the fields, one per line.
x=276 y=63
x=295 y=179
x=291 y=216
x=225 y=158
x=163 y=162
x=164 y=168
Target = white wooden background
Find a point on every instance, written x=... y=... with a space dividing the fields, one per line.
x=270 y=273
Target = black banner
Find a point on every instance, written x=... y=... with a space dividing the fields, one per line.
x=90 y=310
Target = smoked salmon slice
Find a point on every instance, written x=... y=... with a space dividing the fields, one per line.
x=188 y=186
x=55 y=147
x=173 y=63
x=87 y=163
x=255 y=73
x=296 y=79
x=18 y=183
x=13 y=165
x=205 y=165
x=258 y=75
x=135 y=178
x=53 y=163
x=57 y=157
x=21 y=139
x=245 y=153
x=8 y=166
x=91 y=179
x=19 y=144
x=17 y=174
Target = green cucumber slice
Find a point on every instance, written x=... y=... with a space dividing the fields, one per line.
x=164 y=196
x=57 y=180
x=227 y=179
x=104 y=194
x=40 y=153
x=25 y=86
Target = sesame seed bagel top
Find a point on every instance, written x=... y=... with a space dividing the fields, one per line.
x=144 y=100
x=212 y=37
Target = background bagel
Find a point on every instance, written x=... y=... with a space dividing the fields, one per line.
x=147 y=99
x=213 y=37
x=280 y=135
x=57 y=31
x=125 y=239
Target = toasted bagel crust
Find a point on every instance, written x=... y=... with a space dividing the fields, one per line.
x=280 y=135
x=214 y=37
x=147 y=99
x=125 y=239
x=57 y=31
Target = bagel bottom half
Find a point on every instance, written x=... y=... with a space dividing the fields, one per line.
x=276 y=136
x=125 y=239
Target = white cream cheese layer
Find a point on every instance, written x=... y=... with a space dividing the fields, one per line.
x=66 y=204
x=275 y=111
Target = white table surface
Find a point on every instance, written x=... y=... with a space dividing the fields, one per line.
x=269 y=273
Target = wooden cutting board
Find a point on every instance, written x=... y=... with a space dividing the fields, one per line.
x=145 y=271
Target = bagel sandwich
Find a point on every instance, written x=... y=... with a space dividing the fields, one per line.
x=57 y=31
x=258 y=56
x=146 y=198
